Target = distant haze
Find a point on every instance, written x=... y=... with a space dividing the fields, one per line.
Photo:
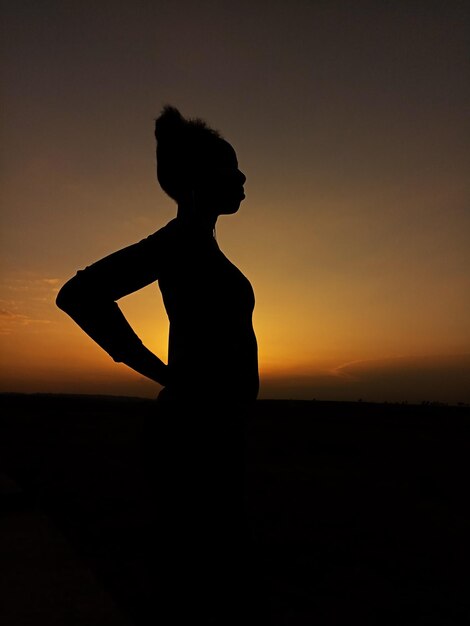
x=350 y=121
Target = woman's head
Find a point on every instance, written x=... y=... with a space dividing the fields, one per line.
x=195 y=163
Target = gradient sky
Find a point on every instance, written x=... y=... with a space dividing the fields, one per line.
x=350 y=121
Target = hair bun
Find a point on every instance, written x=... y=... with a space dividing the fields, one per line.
x=183 y=147
x=169 y=124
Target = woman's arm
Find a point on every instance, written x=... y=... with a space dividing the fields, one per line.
x=89 y=298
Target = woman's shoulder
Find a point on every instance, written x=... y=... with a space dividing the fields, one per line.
x=164 y=235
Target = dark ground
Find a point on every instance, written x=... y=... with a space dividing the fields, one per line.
x=357 y=513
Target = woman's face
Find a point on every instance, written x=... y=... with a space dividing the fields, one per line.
x=219 y=187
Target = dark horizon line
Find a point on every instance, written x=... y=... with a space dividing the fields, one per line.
x=435 y=403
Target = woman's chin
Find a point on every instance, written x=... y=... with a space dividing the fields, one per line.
x=230 y=211
x=230 y=208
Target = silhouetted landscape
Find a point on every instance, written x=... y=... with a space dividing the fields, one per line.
x=356 y=513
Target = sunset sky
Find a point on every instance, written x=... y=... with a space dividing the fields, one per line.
x=351 y=123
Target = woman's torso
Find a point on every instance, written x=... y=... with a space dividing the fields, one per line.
x=212 y=349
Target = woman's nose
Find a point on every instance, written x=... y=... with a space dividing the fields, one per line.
x=242 y=177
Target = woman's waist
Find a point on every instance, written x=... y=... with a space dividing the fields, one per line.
x=210 y=388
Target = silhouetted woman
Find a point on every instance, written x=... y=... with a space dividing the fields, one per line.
x=194 y=443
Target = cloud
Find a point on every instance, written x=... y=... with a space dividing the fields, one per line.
x=439 y=378
x=11 y=320
x=27 y=301
x=28 y=280
x=443 y=378
x=343 y=371
x=11 y=316
x=19 y=293
x=53 y=282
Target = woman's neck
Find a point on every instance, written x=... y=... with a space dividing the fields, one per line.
x=197 y=220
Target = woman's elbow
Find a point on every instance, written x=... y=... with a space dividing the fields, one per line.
x=68 y=297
